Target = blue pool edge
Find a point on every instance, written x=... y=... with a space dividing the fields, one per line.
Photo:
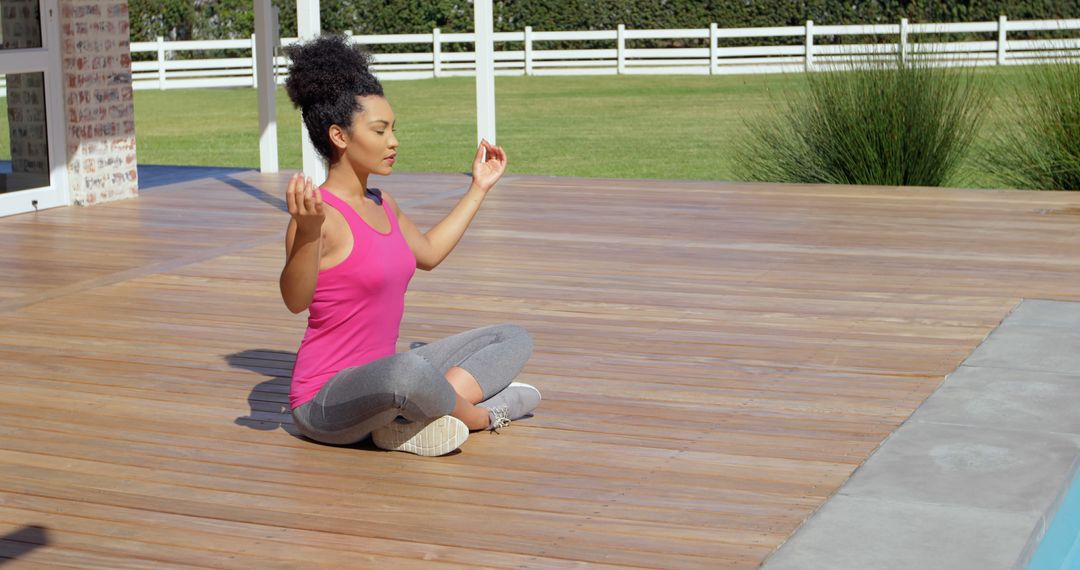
x=1056 y=539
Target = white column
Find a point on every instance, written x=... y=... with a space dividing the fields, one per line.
x=485 y=71
x=265 y=38
x=308 y=27
x=809 y=45
x=308 y=23
x=1001 y=40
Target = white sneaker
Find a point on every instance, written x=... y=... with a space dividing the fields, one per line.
x=515 y=401
x=529 y=386
x=439 y=437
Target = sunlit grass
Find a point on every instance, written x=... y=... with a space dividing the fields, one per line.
x=662 y=127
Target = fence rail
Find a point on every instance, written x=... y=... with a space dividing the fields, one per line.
x=909 y=40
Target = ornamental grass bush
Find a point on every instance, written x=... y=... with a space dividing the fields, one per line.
x=893 y=122
x=1038 y=147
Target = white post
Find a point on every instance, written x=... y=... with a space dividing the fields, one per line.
x=485 y=71
x=620 y=49
x=262 y=53
x=809 y=45
x=254 y=59
x=308 y=23
x=1001 y=40
x=903 y=39
x=528 y=51
x=436 y=52
x=161 y=62
x=309 y=27
x=714 y=62
x=275 y=24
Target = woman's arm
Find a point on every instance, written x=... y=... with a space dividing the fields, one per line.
x=432 y=247
x=303 y=244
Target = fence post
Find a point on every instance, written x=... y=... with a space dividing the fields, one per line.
x=436 y=52
x=809 y=45
x=620 y=48
x=1001 y=40
x=528 y=51
x=903 y=39
x=161 y=62
x=713 y=57
x=254 y=65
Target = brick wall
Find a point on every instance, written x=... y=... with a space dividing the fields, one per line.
x=99 y=112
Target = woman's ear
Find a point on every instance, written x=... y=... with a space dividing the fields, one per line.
x=338 y=137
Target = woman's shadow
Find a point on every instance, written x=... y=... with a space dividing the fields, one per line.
x=269 y=400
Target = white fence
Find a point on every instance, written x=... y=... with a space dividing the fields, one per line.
x=166 y=72
x=916 y=40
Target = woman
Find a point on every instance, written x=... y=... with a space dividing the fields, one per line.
x=350 y=254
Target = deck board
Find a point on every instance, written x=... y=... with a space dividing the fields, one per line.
x=716 y=359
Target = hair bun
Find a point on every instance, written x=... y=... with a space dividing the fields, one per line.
x=322 y=69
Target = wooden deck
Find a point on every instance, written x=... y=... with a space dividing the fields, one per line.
x=715 y=359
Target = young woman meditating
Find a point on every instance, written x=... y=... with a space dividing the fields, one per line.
x=350 y=254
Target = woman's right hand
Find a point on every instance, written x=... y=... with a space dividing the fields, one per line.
x=305 y=203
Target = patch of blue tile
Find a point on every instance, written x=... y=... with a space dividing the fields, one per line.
x=153 y=176
x=1060 y=546
x=157 y=175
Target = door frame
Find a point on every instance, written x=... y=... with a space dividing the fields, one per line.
x=45 y=59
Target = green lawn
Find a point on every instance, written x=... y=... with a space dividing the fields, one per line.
x=678 y=127
x=633 y=127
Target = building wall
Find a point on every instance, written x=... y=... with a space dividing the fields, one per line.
x=99 y=110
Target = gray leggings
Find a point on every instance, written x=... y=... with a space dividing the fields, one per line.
x=361 y=399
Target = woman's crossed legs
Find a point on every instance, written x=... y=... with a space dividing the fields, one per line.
x=446 y=377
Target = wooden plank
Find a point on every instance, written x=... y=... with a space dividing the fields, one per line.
x=716 y=359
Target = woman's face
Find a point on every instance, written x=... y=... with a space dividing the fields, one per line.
x=372 y=142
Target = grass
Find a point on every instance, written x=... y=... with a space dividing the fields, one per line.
x=633 y=127
x=662 y=127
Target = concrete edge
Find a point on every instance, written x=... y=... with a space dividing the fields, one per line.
x=1045 y=518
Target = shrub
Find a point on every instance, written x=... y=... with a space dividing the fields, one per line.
x=889 y=122
x=1039 y=147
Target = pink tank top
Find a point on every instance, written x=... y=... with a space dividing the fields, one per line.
x=355 y=314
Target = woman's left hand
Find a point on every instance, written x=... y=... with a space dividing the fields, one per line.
x=487 y=172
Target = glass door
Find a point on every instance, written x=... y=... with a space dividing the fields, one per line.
x=32 y=150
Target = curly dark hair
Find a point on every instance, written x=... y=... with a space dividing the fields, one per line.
x=326 y=75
